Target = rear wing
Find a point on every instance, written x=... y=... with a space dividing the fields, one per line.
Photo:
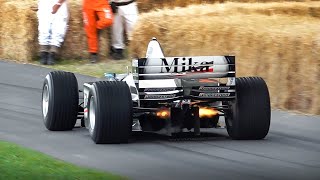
x=174 y=78
x=184 y=67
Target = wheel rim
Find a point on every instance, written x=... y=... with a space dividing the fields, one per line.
x=92 y=113
x=231 y=118
x=45 y=100
x=230 y=114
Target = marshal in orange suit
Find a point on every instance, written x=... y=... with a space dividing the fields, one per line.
x=97 y=14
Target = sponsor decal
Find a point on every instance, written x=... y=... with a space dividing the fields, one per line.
x=158 y=89
x=204 y=88
x=186 y=65
x=158 y=96
x=214 y=95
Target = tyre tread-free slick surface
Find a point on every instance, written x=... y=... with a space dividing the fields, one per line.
x=249 y=117
x=63 y=101
x=113 y=112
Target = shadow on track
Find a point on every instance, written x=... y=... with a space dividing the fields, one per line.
x=145 y=137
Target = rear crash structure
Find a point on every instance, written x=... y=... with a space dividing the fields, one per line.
x=164 y=95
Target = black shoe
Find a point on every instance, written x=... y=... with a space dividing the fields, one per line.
x=44 y=58
x=93 y=57
x=51 y=58
x=116 y=54
x=112 y=50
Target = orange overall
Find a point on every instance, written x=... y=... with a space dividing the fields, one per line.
x=97 y=14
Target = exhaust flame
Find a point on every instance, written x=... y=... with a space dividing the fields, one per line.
x=207 y=112
x=204 y=112
x=163 y=113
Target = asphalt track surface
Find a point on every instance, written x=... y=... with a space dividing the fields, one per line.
x=290 y=151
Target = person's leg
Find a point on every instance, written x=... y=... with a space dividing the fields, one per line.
x=105 y=19
x=117 y=43
x=117 y=32
x=89 y=18
x=130 y=17
x=59 y=29
x=44 y=54
x=44 y=29
x=43 y=32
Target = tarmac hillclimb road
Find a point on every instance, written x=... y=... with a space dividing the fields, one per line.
x=290 y=151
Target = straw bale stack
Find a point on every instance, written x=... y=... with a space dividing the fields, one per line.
x=148 y=5
x=18 y=25
x=17 y=30
x=284 y=50
x=19 y=35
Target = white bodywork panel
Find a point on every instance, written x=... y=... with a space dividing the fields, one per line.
x=154 y=49
x=86 y=95
x=133 y=88
x=157 y=83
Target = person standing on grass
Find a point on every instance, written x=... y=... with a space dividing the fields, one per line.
x=97 y=15
x=125 y=17
x=53 y=16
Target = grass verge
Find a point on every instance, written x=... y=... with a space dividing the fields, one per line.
x=20 y=163
x=86 y=68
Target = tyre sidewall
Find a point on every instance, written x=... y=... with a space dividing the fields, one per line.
x=93 y=131
x=50 y=114
x=231 y=122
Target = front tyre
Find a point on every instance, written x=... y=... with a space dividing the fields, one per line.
x=249 y=116
x=110 y=112
x=60 y=98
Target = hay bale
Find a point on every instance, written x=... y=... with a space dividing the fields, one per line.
x=1 y=49
x=149 y=5
x=311 y=8
x=284 y=50
x=17 y=30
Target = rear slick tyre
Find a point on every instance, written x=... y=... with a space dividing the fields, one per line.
x=60 y=98
x=249 y=115
x=110 y=112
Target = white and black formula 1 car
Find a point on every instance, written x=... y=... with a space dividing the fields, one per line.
x=167 y=95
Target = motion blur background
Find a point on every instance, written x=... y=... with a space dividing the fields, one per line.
x=277 y=40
